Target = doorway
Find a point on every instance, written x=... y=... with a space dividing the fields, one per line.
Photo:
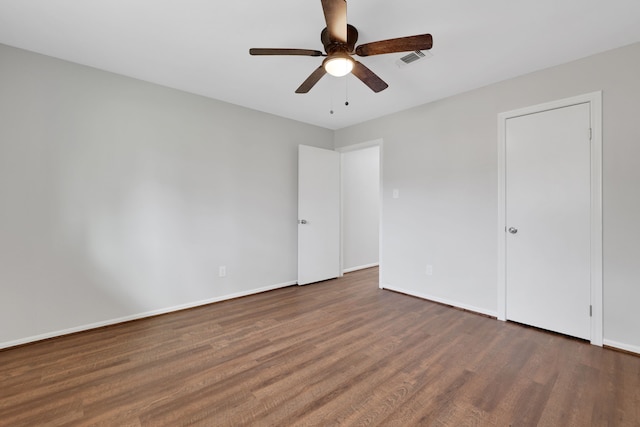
x=550 y=238
x=361 y=166
x=339 y=210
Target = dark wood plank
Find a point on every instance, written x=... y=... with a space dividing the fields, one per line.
x=341 y=352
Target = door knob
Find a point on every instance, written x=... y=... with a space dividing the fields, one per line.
x=302 y=221
x=513 y=230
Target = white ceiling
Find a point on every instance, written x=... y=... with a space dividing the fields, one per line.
x=202 y=46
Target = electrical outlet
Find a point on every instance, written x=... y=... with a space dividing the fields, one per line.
x=222 y=271
x=429 y=270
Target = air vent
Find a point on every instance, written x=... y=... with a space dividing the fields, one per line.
x=412 y=58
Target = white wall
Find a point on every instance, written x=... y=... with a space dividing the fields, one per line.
x=443 y=158
x=360 y=208
x=119 y=197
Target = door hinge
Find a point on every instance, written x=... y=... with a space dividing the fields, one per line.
x=590 y=134
x=590 y=311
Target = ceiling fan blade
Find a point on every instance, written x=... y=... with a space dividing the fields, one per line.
x=401 y=44
x=335 y=14
x=301 y=52
x=368 y=77
x=311 y=80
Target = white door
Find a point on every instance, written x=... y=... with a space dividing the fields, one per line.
x=548 y=220
x=318 y=214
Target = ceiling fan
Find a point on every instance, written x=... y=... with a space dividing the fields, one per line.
x=339 y=40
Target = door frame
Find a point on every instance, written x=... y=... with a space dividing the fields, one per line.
x=594 y=99
x=355 y=147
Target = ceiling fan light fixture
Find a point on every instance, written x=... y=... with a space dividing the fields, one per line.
x=338 y=65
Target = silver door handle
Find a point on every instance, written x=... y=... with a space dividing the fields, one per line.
x=302 y=221
x=513 y=230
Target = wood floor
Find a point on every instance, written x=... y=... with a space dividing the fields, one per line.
x=341 y=352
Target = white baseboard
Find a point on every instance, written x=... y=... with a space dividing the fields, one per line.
x=609 y=343
x=360 y=267
x=152 y=313
x=622 y=346
x=441 y=300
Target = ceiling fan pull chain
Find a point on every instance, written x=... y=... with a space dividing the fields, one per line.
x=346 y=89
x=330 y=101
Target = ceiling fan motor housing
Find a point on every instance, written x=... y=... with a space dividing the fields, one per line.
x=335 y=46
